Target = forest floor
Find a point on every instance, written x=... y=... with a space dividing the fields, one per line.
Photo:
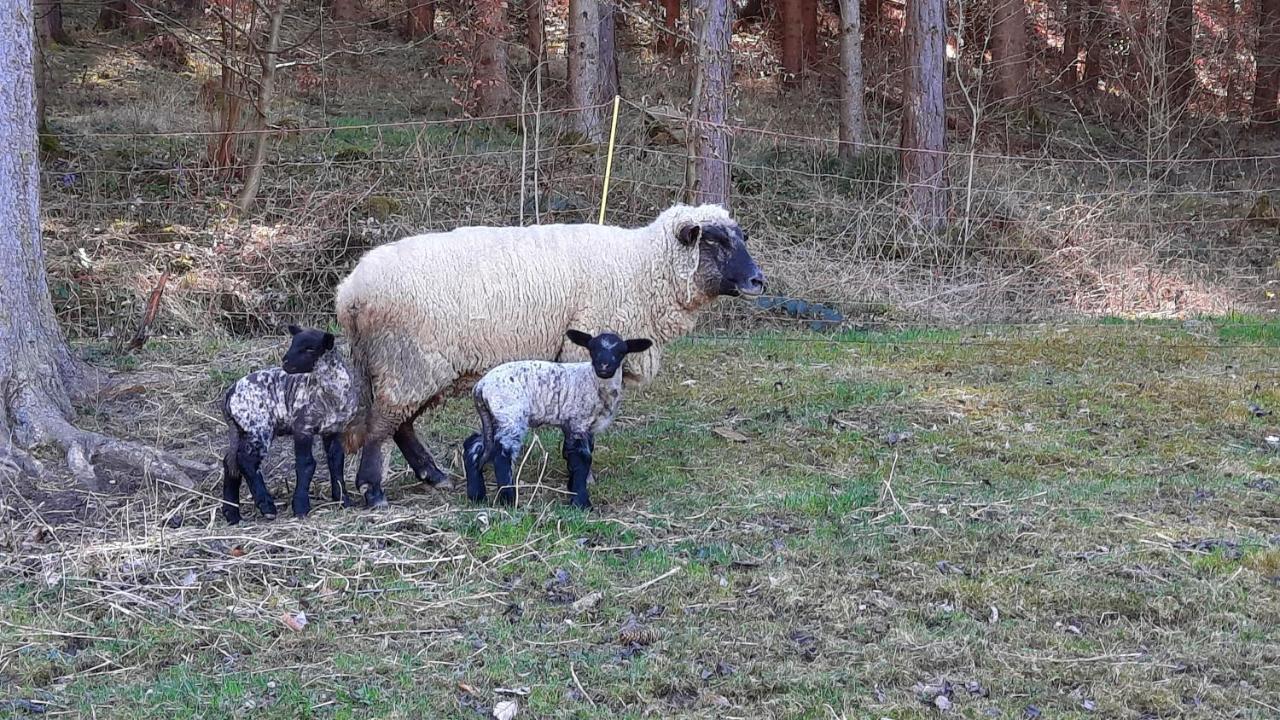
x=1011 y=522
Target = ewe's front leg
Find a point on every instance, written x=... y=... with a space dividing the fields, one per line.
x=419 y=457
x=305 y=462
x=335 y=456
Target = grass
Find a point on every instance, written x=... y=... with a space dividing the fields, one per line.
x=1083 y=522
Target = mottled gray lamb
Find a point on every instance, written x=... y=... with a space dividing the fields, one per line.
x=310 y=394
x=579 y=398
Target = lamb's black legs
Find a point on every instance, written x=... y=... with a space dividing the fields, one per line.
x=473 y=461
x=231 y=480
x=419 y=458
x=305 y=465
x=577 y=453
x=502 y=460
x=249 y=458
x=335 y=457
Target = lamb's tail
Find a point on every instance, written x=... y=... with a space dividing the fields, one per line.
x=357 y=428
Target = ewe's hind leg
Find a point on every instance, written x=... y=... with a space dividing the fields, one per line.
x=249 y=455
x=335 y=457
x=419 y=458
x=369 y=473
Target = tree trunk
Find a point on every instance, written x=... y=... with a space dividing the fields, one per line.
x=49 y=22
x=1180 y=70
x=492 y=84
x=1266 y=85
x=262 y=107
x=713 y=21
x=872 y=17
x=924 y=115
x=535 y=19
x=610 y=78
x=853 y=116
x=39 y=377
x=583 y=48
x=346 y=10
x=809 y=26
x=1095 y=26
x=669 y=40
x=419 y=19
x=1073 y=22
x=792 y=18
x=1009 y=50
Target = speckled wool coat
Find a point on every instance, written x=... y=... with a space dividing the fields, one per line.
x=270 y=402
x=423 y=312
x=518 y=396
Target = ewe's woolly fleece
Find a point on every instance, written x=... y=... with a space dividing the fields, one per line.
x=427 y=310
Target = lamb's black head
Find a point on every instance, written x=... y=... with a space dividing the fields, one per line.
x=607 y=350
x=725 y=267
x=307 y=347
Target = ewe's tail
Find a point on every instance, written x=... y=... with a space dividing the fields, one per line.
x=357 y=428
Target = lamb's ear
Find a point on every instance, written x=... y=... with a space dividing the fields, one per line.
x=294 y=329
x=577 y=337
x=638 y=346
x=328 y=341
x=689 y=234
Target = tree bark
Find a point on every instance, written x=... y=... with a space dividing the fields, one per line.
x=346 y=10
x=39 y=377
x=792 y=18
x=1095 y=25
x=713 y=21
x=1180 y=70
x=1073 y=23
x=610 y=77
x=853 y=116
x=1009 y=50
x=419 y=19
x=583 y=48
x=669 y=41
x=492 y=83
x=262 y=107
x=809 y=26
x=1266 y=85
x=924 y=114
x=535 y=19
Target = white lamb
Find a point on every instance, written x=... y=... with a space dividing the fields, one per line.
x=427 y=314
x=579 y=398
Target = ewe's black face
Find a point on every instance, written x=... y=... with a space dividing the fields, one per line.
x=307 y=347
x=607 y=350
x=724 y=265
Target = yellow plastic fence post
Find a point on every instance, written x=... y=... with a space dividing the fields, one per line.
x=608 y=163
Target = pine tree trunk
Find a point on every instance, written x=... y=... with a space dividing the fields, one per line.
x=583 y=49
x=419 y=19
x=809 y=52
x=492 y=83
x=1009 y=50
x=39 y=377
x=853 y=116
x=1266 y=86
x=713 y=23
x=536 y=27
x=792 y=19
x=924 y=115
x=1180 y=71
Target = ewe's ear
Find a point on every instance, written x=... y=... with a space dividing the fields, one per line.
x=577 y=337
x=328 y=341
x=294 y=329
x=689 y=234
x=639 y=346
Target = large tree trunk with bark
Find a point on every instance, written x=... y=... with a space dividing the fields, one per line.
x=1009 y=50
x=1180 y=70
x=583 y=49
x=1073 y=22
x=610 y=76
x=809 y=25
x=39 y=377
x=1266 y=85
x=924 y=114
x=419 y=19
x=489 y=52
x=1095 y=25
x=713 y=23
x=669 y=40
x=535 y=27
x=792 y=19
x=853 y=115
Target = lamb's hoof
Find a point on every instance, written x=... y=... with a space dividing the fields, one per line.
x=269 y=511
x=437 y=481
x=444 y=485
x=591 y=478
x=232 y=517
x=375 y=500
x=347 y=501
